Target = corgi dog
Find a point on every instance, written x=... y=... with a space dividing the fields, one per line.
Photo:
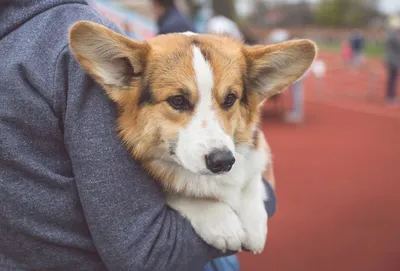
x=189 y=112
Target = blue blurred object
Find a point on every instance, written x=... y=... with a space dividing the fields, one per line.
x=173 y=22
x=229 y=263
x=201 y=18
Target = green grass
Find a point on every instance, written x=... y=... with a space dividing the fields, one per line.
x=371 y=50
x=375 y=50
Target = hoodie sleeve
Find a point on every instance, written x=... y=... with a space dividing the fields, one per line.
x=131 y=226
x=270 y=203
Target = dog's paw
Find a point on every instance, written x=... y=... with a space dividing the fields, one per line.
x=254 y=222
x=220 y=227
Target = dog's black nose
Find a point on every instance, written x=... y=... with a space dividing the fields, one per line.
x=219 y=161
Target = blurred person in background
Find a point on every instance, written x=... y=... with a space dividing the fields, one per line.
x=296 y=115
x=357 y=44
x=169 y=18
x=346 y=52
x=392 y=60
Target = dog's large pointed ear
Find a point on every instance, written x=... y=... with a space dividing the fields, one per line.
x=112 y=59
x=272 y=68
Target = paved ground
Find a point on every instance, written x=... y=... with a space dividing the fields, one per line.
x=338 y=182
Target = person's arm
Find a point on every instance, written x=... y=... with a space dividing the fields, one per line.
x=131 y=226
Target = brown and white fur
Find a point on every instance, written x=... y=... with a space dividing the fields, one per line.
x=184 y=96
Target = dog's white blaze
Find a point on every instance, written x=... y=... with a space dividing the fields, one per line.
x=213 y=135
x=204 y=132
x=205 y=84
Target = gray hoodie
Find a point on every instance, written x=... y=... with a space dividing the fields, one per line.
x=71 y=197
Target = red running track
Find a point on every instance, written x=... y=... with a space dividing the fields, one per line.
x=338 y=187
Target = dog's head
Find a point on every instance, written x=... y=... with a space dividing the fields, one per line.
x=184 y=98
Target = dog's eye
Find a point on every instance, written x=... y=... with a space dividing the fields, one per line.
x=230 y=99
x=179 y=102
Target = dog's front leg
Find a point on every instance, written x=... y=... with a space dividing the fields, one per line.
x=253 y=215
x=214 y=221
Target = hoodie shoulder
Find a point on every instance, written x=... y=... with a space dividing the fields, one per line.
x=61 y=18
x=35 y=44
x=43 y=25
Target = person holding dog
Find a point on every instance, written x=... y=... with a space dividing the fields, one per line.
x=71 y=197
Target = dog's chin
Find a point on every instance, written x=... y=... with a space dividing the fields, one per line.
x=209 y=173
